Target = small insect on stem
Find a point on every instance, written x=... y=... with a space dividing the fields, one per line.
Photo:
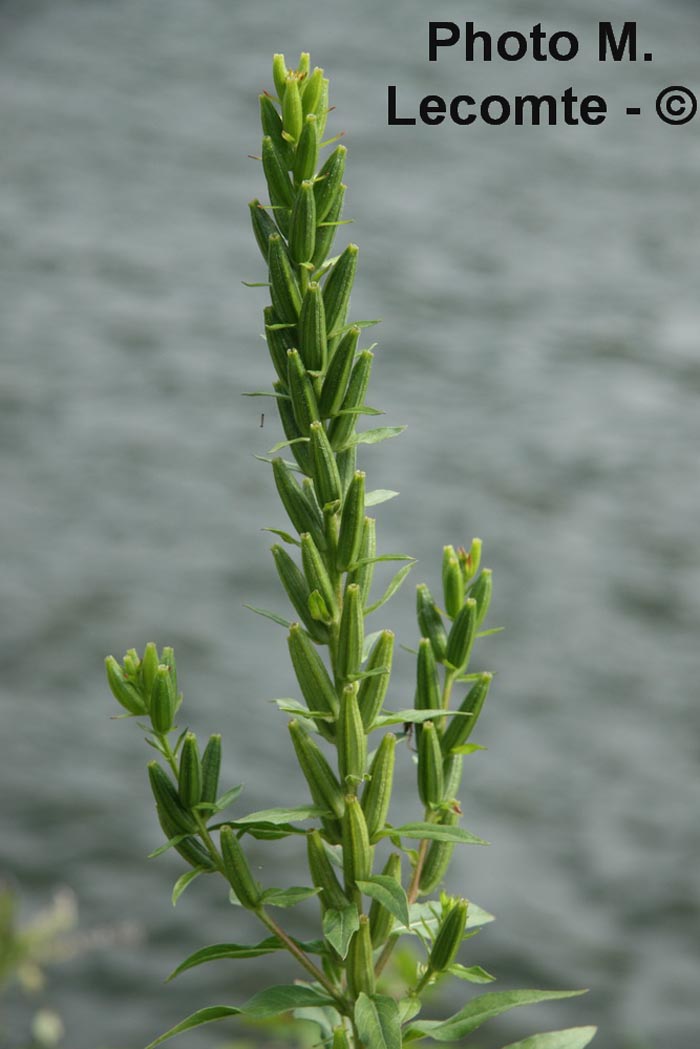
x=262 y=419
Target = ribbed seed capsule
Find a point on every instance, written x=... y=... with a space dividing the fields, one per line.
x=303 y=516
x=377 y=792
x=312 y=92
x=427 y=681
x=317 y=574
x=452 y=582
x=351 y=740
x=190 y=772
x=381 y=920
x=301 y=391
x=328 y=182
x=323 y=784
x=373 y=689
x=263 y=227
x=360 y=967
x=350 y=634
x=123 y=691
x=460 y=728
x=314 y=682
x=461 y=636
x=284 y=290
x=449 y=937
x=337 y=288
x=439 y=854
x=342 y=426
x=323 y=108
x=302 y=225
x=298 y=592
x=430 y=622
x=168 y=801
x=357 y=851
x=163 y=701
x=300 y=449
x=481 y=592
x=351 y=523
x=306 y=155
x=303 y=67
x=364 y=574
x=211 y=767
x=452 y=769
x=324 y=468
x=149 y=669
x=279 y=74
x=326 y=229
x=271 y=123
x=338 y=374
x=347 y=465
x=279 y=340
x=323 y=876
x=292 y=114
x=189 y=848
x=430 y=781
x=237 y=871
x=313 y=346
x=275 y=171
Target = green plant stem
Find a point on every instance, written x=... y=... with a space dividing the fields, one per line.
x=303 y=960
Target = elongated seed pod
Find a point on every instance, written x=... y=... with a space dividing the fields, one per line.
x=323 y=784
x=149 y=669
x=168 y=802
x=292 y=113
x=263 y=227
x=237 y=870
x=439 y=854
x=350 y=634
x=313 y=346
x=314 y=682
x=211 y=767
x=327 y=228
x=452 y=582
x=460 y=728
x=336 y=380
x=298 y=592
x=347 y=464
x=481 y=592
x=343 y=426
x=190 y=772
x=430 y=622
x=461 y=636
x=299 y=449
x=123 y=691
x=324 y=467
x=189 y=848
x=351 y=523
x=275 y=170
x=452 y=769
x=381 y=920
x=351 y=740
x=328 y=182
x=302 y=224
x=357 y=851
x=312 y=92
x=430 y=781
x=271 y=123
x=449 y=937
x=323 y=108
x=360 y=967
x=427 y=681
x=337 y=288
x=306 y=154
x=284 y=289
x=163 y=701
x=373 y=689
x=323 y=876
x=301 y=392
x=167 y=659
x=303 y=516
x=279 y=75
x=316 y=573
x=364 y=573
x=376 y=795
x=279 y=340
x=303 y=67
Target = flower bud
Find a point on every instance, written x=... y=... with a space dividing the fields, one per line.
x=352 y=741
x=123 y=691
x=263 y=227
x=168 y=802
x=328 y=181
x=292 y=114
x=316 y=574
x=481 y=592
x=189 y=848
x=470 y=560
x=279 y=75
x=302 y=224
x=460 y=728
x=449 y=937
x=360 y=966
x=381 y=920
x=452 y=769
x=284 y=289
x=324 y=467
x=323 y=876
x=211 y=766
x=373 y=689
x=322 y=109
x=351 y=523
x=347 y=466
x=376 y=795
x=306 y=156
x=363 y=574
x=314 y=682
x=237 y=871
x=298 y=593
x=313 y=347
x=149 y=668
x=303 y=516
x=312 y=92
x=190 y=772
x=301 y=392
x=271 y=123
x=461 y=636
x=343 y=426
x=163 y=701
x=323 y=784
x=430 y=781
x=357 y=851
x=278 y=182
x=351 y=634
x=299 y=449
x=326 y=229
x=430 y=622
x=452 y=582
x=279 y=340
x=338 y=374
x=427 y=682
x=337 y=288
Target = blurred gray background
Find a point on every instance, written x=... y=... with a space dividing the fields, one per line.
x=539 y=295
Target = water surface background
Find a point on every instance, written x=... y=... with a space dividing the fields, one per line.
x=541 y=314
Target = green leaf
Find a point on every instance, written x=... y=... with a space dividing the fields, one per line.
x=375 y=672
x=434 y=832
x=379 y=495
x=487 y=633
x=281 y=999
x=228 y=950
x=286 y=444
x=202 y=1016
x=275 y=816
x=221 y=803
x=269 y=615
x=391 y=589
x=293 y=706
x=339 y=926
x=428 y=917
x=268 y=393
x=571 y=1038
x=288 y=897
x=368 y=643
x=473 y=973
x=382 y=433
x=354 y=324
x=168 y=845
x=287 y=462
x=284 y=536
x=389 y=893
x=481 y=1009
x=377 y=1021
x=184 y=880
x=383 y=557
x=467 y=748
x=414 y=717
x=362 y=410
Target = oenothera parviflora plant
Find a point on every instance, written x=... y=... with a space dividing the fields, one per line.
x=372 y=880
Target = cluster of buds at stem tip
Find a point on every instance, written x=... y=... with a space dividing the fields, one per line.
x=146 y=685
